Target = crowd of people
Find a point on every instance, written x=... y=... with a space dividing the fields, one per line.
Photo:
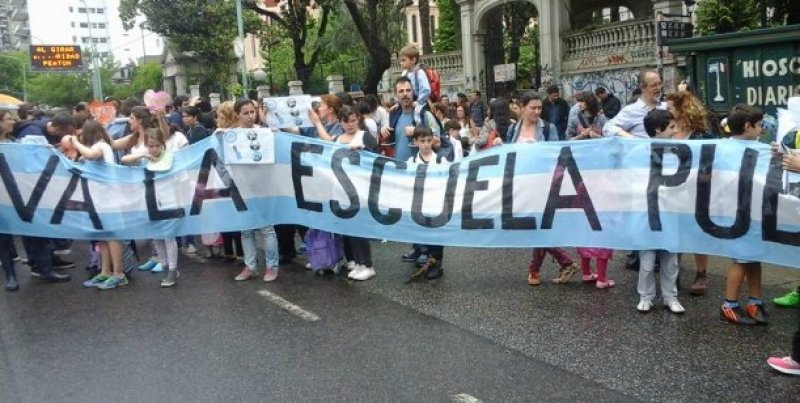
x=411 y=128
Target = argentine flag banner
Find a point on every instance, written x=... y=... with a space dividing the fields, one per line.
x=718 y=197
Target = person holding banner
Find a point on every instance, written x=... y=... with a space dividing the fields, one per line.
x=7 y=121
x=745 y=124
x=226 y=119
x=691 y=123
x=246 y=113
x=362 y=267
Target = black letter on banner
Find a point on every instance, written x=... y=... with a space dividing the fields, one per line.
x=26 y=210
x=769 y=214
x=200 y=192
x=299 y=170
x=152 y=204
x=393 y=215
x=509 y=221
x=86 y=205
x=657 y=179
x=468 y=220
x=581 y=200
x=449 y=197
x=744 y=195
x=336 y=163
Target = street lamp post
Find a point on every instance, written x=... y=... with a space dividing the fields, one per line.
x=240 y=39
x=97 y=85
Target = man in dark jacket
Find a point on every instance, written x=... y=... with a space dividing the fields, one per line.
x=610 y=104
x=556 y=111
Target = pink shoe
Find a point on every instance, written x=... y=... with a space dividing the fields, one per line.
x=604 y=284
x=270 y=274
x=784 y=365
x=246 y=274
x=589 y=278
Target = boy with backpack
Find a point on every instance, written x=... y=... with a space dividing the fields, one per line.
x=432 y=268
x=425 y=80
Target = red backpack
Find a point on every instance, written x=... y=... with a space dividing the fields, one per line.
x=434 y=81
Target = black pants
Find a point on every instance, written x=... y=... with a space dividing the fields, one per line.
x=434 y=251
x=360 y=250
x=40 y=253
x=7 y=253
x=229 y=239
x=286 y=247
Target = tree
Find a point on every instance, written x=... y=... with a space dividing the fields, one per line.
x=297 y=23
x=446 y=37
x=369 y=24
x=148 y=76
x=721 y=16
x=205 y=27
x=425 y=26
x=517 y=17
x=11 y=65
x=60 y=89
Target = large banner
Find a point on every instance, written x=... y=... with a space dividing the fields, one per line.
x=723 y=197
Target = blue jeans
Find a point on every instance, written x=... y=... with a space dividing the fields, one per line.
x=270 y=247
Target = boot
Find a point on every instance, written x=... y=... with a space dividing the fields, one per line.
x=699 y=286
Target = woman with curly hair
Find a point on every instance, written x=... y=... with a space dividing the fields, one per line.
x=691 y=118
x=226 y=117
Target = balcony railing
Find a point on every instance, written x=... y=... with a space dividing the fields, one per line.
x=617 y=38
x=449 y=65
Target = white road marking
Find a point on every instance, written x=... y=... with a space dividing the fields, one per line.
x=464 y=398
x=290 y=307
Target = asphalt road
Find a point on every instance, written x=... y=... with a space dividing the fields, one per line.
x=480 y=332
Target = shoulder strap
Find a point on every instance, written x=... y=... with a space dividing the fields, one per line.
x=438 y=159
x=546 y=130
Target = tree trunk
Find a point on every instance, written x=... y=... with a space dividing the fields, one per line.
x=425 y=26
x=379 y=54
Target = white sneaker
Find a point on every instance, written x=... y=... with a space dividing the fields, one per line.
x=365 y=273
x=645 y=305
x=191 y=250
x=308 y=266
x=355 y=270
x=675 y=307
x=351 y=265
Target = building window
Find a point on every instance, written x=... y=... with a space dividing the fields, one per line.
x=103 y=40
x=84 y=25
x=433 y=28
x=70 y=9
x=94 y=25
x=84 y=39
x=95 y=40
x=413 y=28
x=91 y=10
x=101 y=25
x=72 y=24
x=81 y=9
x=100 y=11
x=74 y=39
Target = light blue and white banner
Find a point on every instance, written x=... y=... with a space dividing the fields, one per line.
x=722 y=197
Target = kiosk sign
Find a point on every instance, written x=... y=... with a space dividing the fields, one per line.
x=56 y=57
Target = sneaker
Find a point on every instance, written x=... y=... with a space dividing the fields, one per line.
x=270 y=274
x=604 y=284
x=62 y=252
x=355 y=271
x=147 y=266
x=410 y=257
x=246 y=274
x=19 y=259
x=59 y=263
x=365 y=273
x=533 y=278
x=309 y=267
x=675 y=307
x=784 y=365
x=95 y=281
x=113 y=282
x=158 y=268
x=422 y=259
x=757 y=313
x=735 y=315
x=190 y=250
x=589 y=278
x=351 y=265
x=35 y=272
x=565 y=274
x=789 y=300
x=645 y=305
x=170 y=279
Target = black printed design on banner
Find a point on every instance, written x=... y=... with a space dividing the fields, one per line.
x=152 y=204
x=393 y=215
x=85 y=206
x=25 y=211
x=581 y=200
x=509 y=221
x=210 y=159
x=769 y=212
x=447 y=205
x=743 y=199
x=299 y=170
x=657 y=178
x=350 y=189
x=468 y=220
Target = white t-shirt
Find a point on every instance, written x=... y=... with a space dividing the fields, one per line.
x=381 y=117
x=435 y=160
x=372 y=127
x=458 y=150
x=108 y=153
x=177 y=141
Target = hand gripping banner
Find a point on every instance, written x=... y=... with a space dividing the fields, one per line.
x=721 y=197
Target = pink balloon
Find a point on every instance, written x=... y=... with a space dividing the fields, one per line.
x=156 y=100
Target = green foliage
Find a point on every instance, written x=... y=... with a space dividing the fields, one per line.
x=528 y=58
x=446 y=38
x=721 y=16
x=60 y=89
x=205 y=27
x=145 y=77
x=11 y=65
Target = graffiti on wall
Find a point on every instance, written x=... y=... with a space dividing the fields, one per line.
x=619 y=82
